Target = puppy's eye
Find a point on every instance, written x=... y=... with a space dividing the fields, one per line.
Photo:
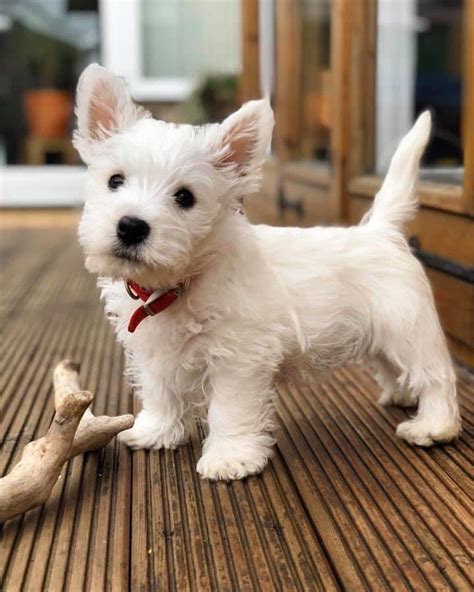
x=116 y=181
x=184 y=198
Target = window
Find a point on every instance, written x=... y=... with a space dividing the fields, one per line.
x=45 y=45
x=171 y=44
x=408 y=56
x=420 y=66
x=190 y=38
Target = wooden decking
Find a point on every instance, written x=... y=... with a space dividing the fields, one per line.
x=342 y=505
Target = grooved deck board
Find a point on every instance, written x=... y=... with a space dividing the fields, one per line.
x=343 y=504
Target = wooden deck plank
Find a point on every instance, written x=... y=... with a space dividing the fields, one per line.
x=86 y=521
x=411 y=498
x=438 y=461
x=118 y=564
x=408 y=550
x=38 y=419
x=349 y=484
x=53 y=517
x=343 y=504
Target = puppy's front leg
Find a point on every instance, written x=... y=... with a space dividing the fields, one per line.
x=161 y=423
x=240 y=423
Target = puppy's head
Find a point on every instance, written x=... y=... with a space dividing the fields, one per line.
x=156 y=193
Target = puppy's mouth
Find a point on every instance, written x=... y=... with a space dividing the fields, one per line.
x=119 y=262
x=131 y=255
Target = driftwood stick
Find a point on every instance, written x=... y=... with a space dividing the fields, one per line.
x=30 y=482
x=93 y=432
x=74 y=430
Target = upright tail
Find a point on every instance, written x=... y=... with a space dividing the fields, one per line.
x=396 y=203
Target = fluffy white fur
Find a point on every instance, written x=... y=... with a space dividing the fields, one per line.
x=257 y=300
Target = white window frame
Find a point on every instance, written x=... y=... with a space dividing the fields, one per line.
x=266 y=9
x=122 y=20
x=31 y=186
x=397 y=26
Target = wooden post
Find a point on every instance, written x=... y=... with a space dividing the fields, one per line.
x=250 y=80
x=288 y=84
x=341 y=85
x=363 y=83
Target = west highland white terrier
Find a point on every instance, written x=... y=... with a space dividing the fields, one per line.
x=211 y=308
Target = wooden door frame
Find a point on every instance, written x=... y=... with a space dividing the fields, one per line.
x=468 y=114
x=342 y=12
x=250 y=79
x=289 y=55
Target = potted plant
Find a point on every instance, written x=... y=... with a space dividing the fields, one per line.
x=215 y=98
x=48 y=97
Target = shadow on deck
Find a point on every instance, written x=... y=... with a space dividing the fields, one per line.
x=343 y=503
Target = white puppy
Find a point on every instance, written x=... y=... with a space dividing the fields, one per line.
x=241 y=302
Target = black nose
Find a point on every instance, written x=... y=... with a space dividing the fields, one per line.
x=132 y=231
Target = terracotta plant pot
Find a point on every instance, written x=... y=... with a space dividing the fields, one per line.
x=48 y=112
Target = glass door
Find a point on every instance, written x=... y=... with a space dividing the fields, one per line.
x=44 y=46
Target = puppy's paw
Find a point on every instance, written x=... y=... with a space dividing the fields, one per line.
x=232 y=458
x=423 y=433
x=228 y=467
x=149 y=432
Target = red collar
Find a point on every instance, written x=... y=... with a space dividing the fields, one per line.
x=151 y=307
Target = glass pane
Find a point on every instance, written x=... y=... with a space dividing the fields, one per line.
x=198 y=40
x=191 y=38
x=316 y=108
x=44 y=47
x=419 y=66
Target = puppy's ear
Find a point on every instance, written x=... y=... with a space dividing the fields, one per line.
x=245 y=137
x=103 y=108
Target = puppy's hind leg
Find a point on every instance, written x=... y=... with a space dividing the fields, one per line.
x=427 y=371
x=437 y=419
x=392 y=393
